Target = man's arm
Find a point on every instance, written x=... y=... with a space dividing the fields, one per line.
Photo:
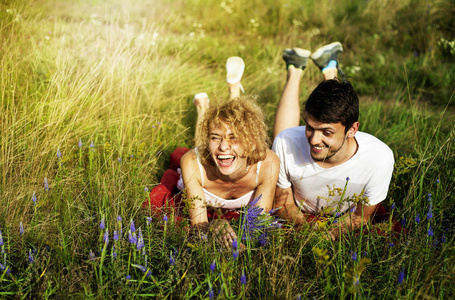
x=284 y=200
x=350 y=221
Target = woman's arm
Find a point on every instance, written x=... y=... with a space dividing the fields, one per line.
x=268 y=177
x=192 y=180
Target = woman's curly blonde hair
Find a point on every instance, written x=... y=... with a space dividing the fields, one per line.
x=246 y=121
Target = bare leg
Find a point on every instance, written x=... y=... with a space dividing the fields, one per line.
x=288 y=111
x=201 y=101
x=330 y=74
x=234 y=90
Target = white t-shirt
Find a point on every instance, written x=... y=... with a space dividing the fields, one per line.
x=370 y=169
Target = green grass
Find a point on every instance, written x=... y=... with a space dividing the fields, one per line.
x=122 y=74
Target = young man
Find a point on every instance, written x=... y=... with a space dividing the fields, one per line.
x=327 y=164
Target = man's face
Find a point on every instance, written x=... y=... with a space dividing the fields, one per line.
x=327 y=140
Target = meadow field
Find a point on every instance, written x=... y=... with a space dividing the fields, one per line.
x=96 y=94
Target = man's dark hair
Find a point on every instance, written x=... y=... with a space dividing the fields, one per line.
x=334 y=101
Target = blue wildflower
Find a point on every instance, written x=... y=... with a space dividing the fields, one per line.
x=429 y=197
x=46 y=185
x=149 y=220
x=143 y=269
x=1 y=239
x=235 y=254
x=92 y=255
x=437 y=180
x=401 y=276
x=337 y=214
x=114 y=253
x=106 y=237
x=430 y=231
x=80 y=143
x=146 y=189
x=132 y=227
x=443 y=239
x=31 y=259
x=34 y=199
x=211 y=293
x=165 y=219
x=417 y=218
x=132 y=237
x=171 y=259
x=393 y=206
x=59 y=154
x=140 y=240
x=429 y=213
x=391 y=244
x=119 y=219
x=347 y=178
x=21 y=228
x=92 y=145
x=243 y=277
x=403 y=221
x=3 y=268
x=115 y=235
x=119 y=159
x=234 y=244
x=353 y=255
x=213 y=266
x=102 y=224
x=128 y=277
x=298 y=297
x=353 y=209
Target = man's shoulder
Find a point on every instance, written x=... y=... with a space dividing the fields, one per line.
x=290 y=133
x=371 y=145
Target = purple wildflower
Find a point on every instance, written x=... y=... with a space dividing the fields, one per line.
x=119 y=159
x=353 y=255
x=3 y=268
x=1 y=239
x=115 y=235
x=353 y=209
x=102 y=224
x=235 y=254
x=149 y=220
x=31 y=259
x=140 y=240
x=34 y=199
x=92 y=255
x=234 y=244
x=337 y=214
x=211 y=293
x=80 y=143
x=128 y=277
x=171 y=259
x=437 y=180
x=132 y=227
x=403 y=221
x=213 y=266
x=393 y=206
x=132 y=237
x=92 y=145
x=429 y=213
x=347 y=178
x=243 y=277
x=143 y=269
x=165 y=219
x=146 y=189
x=391 y=244
x=106 y=237
x=417 y=218
x=46 y=185
x=114 y=253
x=298 y=297
x=443 y=239
x=59 y=154
x=119 y=219
x=429 y=197
x=430 y=231
x=21 y=228
x=401 y=276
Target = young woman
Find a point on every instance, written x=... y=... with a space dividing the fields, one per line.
x=231 y=164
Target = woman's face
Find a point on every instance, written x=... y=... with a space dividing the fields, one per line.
x=226 y=151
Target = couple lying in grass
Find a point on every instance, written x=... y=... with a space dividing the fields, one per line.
x=325 y=167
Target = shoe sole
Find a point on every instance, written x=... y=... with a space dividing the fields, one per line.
x=234 y=67
x=336 y=46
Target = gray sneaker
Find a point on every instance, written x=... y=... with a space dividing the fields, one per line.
x=296 y=57
x=326 y=53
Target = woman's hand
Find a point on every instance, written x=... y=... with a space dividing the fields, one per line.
x=225 y=234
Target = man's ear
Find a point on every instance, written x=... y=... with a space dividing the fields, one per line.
x=353 y=130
